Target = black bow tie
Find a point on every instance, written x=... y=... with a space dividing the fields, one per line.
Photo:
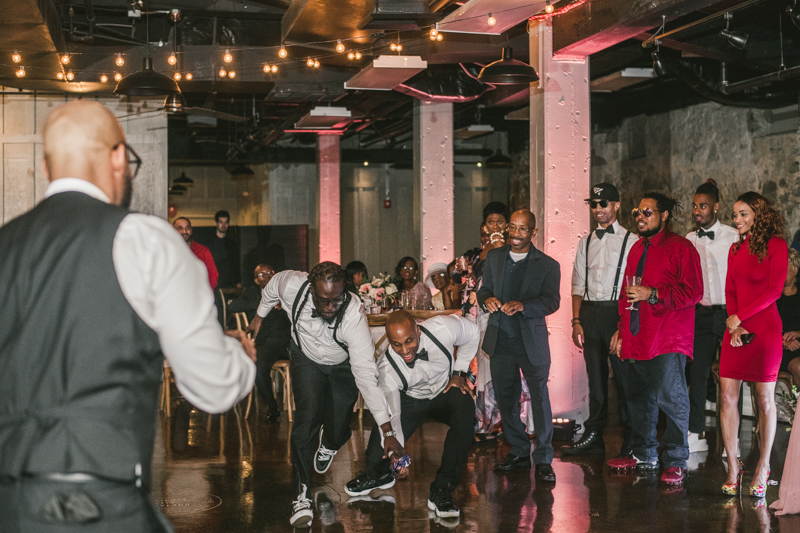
x=422 y=354
x=600 y=231
x=703 y=233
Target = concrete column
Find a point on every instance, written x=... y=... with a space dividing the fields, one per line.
x=560 y=162
x=433 y=181
x=328 y=164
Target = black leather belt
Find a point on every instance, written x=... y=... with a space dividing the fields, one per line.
x=600 y=303
x=713 y=307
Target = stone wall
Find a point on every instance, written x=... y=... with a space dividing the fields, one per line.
x=742 y=149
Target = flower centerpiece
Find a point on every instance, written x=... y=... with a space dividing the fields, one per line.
x=380 y=292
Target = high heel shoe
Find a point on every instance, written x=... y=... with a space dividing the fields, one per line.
x=759 y=491
x=732 y=489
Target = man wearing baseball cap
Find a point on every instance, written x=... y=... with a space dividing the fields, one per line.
x=596 y=279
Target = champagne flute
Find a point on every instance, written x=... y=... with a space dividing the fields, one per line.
x=633 y=281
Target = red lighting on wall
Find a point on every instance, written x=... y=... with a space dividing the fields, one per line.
x=557 y=12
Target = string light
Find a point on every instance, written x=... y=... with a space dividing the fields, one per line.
x=120 y=60
x=548 y=8
x=15 y=57
x=71 y=76
x=60 y=76
x=439 y=37
x=266 y=69
x=65 y=59
x=316 y=64
x=310 y=62
x=189 y=76
x=274 y=69
x=550 y=11
x=396 y=47
x=358 y=55
x=20 y=72
x=351 y=56
x=479 y=164
x=232 y=74
x=227 y=57
x=172 y=59
x=339 y=46
x=282 y=53
x=491 y=21
x=117 y=76
x=434 y=33
x=176 y=76
x=222 y=73
x=103 y=78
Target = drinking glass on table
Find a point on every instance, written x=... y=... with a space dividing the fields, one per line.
x=633 y=281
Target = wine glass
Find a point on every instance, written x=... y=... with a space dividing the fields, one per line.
x=633 y=281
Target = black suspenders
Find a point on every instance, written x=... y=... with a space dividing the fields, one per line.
x=438 y=345
x=296 y=315
x=619 y=267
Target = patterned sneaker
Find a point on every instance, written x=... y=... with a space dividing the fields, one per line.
x=367 y=482
x=674 y=475
x=323 y=458
x=301 y=509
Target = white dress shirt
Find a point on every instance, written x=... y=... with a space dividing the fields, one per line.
x=714 y=260
x=603 y=261
x=428 y=378
x=167 y=286
x=316 y=336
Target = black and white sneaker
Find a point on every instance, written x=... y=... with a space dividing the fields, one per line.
x=441 y=502
x=324 y=456
x=367 y=482
x=301 y=509
x=449 y=523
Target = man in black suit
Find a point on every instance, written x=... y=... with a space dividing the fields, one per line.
x=520 y=288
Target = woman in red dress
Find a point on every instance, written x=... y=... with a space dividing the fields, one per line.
x=756 y=273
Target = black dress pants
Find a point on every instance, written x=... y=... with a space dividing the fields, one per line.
x=324 y=396
x=269 y=350
x=33 y=505
x=709 y=327
x=453 y=408
x=505 y=370
x=599 y=324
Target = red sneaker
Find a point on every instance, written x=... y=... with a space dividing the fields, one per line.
x=673 y=475
x=622 y=463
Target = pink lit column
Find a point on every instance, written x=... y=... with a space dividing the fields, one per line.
x=433 y=181
x=328 y=163
x=560 y=153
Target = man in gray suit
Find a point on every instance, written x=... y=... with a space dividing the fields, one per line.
x=520 y=288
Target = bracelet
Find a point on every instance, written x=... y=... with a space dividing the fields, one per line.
x=499 y=235
x=576 y=321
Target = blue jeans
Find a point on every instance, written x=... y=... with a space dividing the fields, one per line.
x=659 y=383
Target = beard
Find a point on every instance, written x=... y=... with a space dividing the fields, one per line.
x=127 y=194
x=647 y=233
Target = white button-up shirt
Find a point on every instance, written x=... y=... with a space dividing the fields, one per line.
x=167 y=286
x=428 y=378
x=714 y=260
x=316 y=336
x=603 y=260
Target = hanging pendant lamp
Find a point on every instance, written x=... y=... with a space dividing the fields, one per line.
x=174 y=103
x=147 y=82
x=241 y=172
x=498 y=160
x=183 y=180
x=508 y=71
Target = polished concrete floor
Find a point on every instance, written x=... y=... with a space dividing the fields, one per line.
x=228 y=474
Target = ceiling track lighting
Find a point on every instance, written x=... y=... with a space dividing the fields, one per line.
x=794 y=14
x=659 y=66
x=737 y=39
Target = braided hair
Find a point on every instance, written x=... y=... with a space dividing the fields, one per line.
x=327 y=272
x=664 y=203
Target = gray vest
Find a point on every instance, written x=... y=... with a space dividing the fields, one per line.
x=79 y=370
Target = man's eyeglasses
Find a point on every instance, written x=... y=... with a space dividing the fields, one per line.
x=324 y=302
x=646 y=212
x=134 y=161
x=594 y=203
x=262 y=275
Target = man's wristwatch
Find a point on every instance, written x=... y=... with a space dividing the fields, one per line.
x=460 y=373
x=389 y=434
x=653 y=300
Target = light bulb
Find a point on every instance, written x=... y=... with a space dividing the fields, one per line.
x=351 y=56
x=310 y=62
x=366 y=163
x=274 y=69
x=266 y=69
x=434 y=33
x=392 y=47
x=282 y=52
x=15 y=57
x=491 y=21
x=117 y=76
x=70 y=76
x=103 y=78
x=65 y=59
x=480 y=164
x=439 y=37
x=548 y=8
x=358 y=55
x=176 y=76
x=339 y=46
x=60 y=75
x=399 y=47
x=232 y=74
x=227 y=57
x=189 y=76
x=172 y=59
x=316 y=64
x=21 y=72
x=223 y=73
x=120 y=60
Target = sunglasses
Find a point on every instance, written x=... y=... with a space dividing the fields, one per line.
x=594 y=203
x=646 y=212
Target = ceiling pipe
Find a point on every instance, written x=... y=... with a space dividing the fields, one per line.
x=89 y=39
x=785 y=74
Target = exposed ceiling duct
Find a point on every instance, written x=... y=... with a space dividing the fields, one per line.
x=621 y=79
x=473 y=16
x=386 y=72
x=443 y=83
x=325 y=118
x=398 y=15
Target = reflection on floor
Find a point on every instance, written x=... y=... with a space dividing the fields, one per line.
x=227 y=474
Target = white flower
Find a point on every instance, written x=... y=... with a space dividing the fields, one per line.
x=391 y=289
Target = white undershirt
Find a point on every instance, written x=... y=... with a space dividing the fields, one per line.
x=518 y=257
x=167 y=286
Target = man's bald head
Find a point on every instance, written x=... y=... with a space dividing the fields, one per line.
x=530 y=218
x=521 y=229
x=82 y=139
x=403 y=334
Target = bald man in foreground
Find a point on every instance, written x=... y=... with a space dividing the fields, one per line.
x=422 y=378
x=81 y=351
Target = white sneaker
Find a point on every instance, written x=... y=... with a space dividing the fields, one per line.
x=301 y=507
x=696 y=444
x=323 y=457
